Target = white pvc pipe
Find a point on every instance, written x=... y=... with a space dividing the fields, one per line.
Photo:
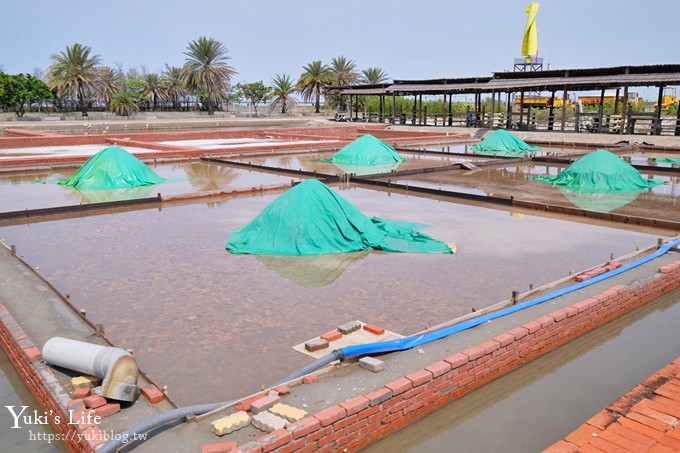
x=115 y=366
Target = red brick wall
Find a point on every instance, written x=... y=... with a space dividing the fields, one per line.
x=366 y=418
x=27 y=359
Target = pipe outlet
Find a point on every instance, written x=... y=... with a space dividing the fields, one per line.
x=117 y=368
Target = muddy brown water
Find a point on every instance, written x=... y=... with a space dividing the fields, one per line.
x=542 y=402
x=661 y=202
x=215 y=326
x=309 y=162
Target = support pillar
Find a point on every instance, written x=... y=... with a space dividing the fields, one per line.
x=600 y=112
x=521 y=110
x=508 y=122
x=551 y=112
x=564 y=109
x=624 y=110
x=657 y=113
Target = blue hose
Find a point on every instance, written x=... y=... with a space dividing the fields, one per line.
x=417 y=340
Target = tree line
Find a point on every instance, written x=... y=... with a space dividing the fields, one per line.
x=76 y=78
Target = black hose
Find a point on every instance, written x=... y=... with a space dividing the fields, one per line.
x=165 y=418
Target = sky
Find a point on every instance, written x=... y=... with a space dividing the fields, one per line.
x=424 y=39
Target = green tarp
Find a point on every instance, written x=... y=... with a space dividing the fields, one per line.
x=366 y=150
x=667 y=160
x=112 y=168
x=600 y=172
x=503 y=143
x=311 y=219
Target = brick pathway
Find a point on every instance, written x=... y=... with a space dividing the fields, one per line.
x=646 y=419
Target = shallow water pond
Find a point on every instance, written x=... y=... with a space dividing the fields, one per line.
x=214 y=326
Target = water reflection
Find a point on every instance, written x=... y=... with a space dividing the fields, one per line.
x=600 y=202
x=105 y=196
x=312 y=271
x=361 y=170
x=209 y=177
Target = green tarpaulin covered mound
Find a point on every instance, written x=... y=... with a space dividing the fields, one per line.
x=112 y=168
x=311 y=219
x=600 y=172
x=366 y=150
x=667 y=160
x=503 y=143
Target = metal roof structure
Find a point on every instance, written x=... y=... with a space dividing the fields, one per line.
x=571 y=79
x=586 y=79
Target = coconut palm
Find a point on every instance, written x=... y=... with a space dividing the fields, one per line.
x=344 y=71
x=373 y=76
x=152 y=89
x=282 y=89
x=173 y=85
x=316 y=75
x=74 y=72
x=206 y=71
x=109 y=82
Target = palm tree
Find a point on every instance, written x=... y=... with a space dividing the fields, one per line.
x=315 y=76
x=152 y=89
x=206 y=70
x=109 y=82
x=344 y=71
x=74 y=72
x=173 y=85
x=123 y=103
x=373 y=76
x=282 y=88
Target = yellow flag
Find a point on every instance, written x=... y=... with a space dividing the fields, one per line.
x=530 y=41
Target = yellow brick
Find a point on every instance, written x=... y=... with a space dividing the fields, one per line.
x=84 y=381
x=226 y=425
x=290 y=413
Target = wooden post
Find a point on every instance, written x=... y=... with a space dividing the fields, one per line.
x=624 y=110
x=616 y=102
x=381 y=113
x=657 y=113
x=444 y=111
x=677 y=122
x=425 y=115
x=600 y=112
x=564 y=109
x=493 y=109
x=521 y=110
x=450 y=110
x=415 y=106
x=350 y=108
x=551 y=113
x=508 y=122
x=394 y=107
x=420 y=110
